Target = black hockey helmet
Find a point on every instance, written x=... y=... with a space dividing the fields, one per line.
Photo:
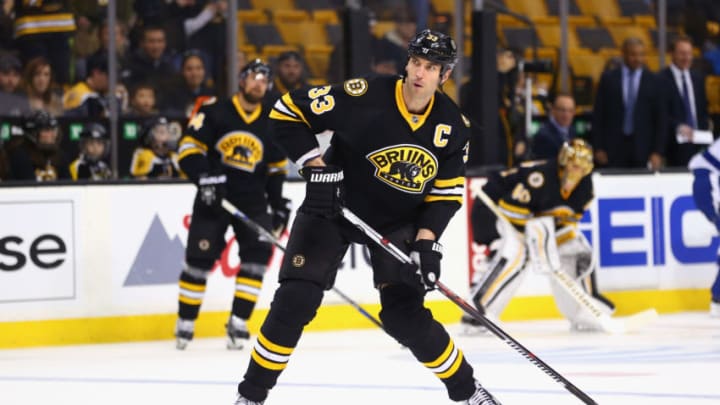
x=436 y=47
x=259 y=67
x=37 y=121
x=149 y=127
x=97 y=132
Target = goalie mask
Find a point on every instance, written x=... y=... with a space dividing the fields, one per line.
x=42 y=129
x=575 y=160
x=435 y=47
x=94 y=142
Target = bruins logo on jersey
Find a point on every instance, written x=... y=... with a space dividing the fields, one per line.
x=240 y=150
x=355 y=87
x=405 y=167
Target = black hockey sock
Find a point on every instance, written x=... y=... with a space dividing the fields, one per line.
x=192 y=292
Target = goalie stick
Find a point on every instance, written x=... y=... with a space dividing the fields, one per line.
x=266 y=235
x=570 y=285
x=468 y=308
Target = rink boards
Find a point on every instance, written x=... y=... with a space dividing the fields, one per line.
x=100 y=263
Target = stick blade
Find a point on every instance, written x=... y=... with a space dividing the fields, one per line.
x=631 y=323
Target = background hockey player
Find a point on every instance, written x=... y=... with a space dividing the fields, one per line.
x=94 y=147
x=558 y=190
x=36 y=155
x=156 y=156
x=397 y=159
x=227 y=153
x=705 y=167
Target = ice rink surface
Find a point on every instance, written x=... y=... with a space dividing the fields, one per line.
x=676 y=360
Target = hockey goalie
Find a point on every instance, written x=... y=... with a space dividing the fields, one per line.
x=527 y=220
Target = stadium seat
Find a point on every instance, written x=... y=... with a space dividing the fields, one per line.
x=317 y=81
x=504 y=20
x=581 y=21
x=262 y=34
x=613 y=20
x=303 y=33
x=712 y=88
x=587 y=64
x=272 y=4
x=595 y=38
x=631 y=8
x=252 y=17
x=647 y=21
x=270 y=52
x=553 y=7
x=620 y=33
x=550 y=36
x=317 y=58
x=312 y=5
x=443 y=6
x=325 y=16
x=381 y=28
x=529 y=8
x=282 y=16
x=601 y=9
x=518 y=37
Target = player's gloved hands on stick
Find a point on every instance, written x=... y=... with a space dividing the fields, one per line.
x=281 y=216
x=426 y=254
x=212 y=189
x=323 y=190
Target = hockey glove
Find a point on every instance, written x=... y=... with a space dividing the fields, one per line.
x=280 y=216
x=426 y=254
x=212 y=190
x=323 y=190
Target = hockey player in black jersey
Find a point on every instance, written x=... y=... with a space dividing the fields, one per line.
x=94 y=147
x=558 y=190
x=227 y=153
x=37 y=156
x=397 y=159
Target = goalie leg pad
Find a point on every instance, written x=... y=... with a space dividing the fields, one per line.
x=496 y=287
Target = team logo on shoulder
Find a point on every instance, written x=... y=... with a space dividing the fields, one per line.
x=196 y=122
x=240 y=150
x=355 y=87
x=536 y=179
x=405 y=167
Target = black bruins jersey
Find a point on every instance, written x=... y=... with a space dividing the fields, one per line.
x=399 y=167
x=146 y=164
x=83 y=169
x=533 y=190
x=223 y=138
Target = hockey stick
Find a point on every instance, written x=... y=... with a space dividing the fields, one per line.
x=266 y=235
x=468 y=308
x=566 y=282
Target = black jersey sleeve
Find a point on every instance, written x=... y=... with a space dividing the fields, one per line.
x=193 y=148
x=300 y=114
x=515 y=200
x=276 y=173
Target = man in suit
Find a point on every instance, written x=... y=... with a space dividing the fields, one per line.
x=686 y=103
x=628 y=124
x=550 y=137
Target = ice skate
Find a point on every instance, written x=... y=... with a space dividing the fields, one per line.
x=244 y=401
x=471 y=326
x=184 y=331
x=237 y=333
x=481 y=397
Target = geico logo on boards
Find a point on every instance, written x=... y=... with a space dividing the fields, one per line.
x=46 y=252
x=326 y=177
x=404 y=167
x=649 y=226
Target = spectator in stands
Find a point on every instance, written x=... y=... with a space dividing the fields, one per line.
x=629 y=119
x=10 y=73
x=103 y=37
x=687 y=103
x=43 y=28
x=142 y=101
x=155 y=157
x=4 y=165
x=41 y=91
x=37 y=156
x=12 y=104
x=395 y=41
x=150 y=63
x=291 y=74
x=94 y=146
x=557 y=130
x=88 y=98
x=189 y=85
